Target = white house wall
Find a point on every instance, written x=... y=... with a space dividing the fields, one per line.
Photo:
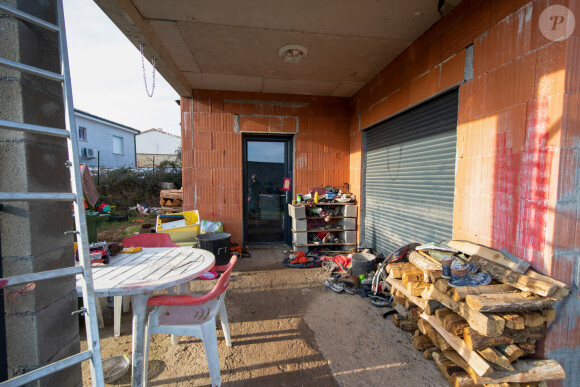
x=100 y=138
x=156 y=143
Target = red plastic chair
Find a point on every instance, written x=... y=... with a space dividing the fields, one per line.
x=189 y=315
x=149 y=240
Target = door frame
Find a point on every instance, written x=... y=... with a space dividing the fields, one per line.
x=288 y=141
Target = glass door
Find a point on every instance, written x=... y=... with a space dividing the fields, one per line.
x=267 y=192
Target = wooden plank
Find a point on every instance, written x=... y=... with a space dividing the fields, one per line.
x=458 y=294
x=517 y=280
x=525 y=371
x=398 y=284
x=486 y=324
x=493 y=255
x=475 y=361
x=507 y=302
x=171 y=194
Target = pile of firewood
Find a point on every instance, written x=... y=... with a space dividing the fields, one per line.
x=171 y=200
x=476 y=335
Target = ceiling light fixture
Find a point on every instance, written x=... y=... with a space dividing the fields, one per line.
x=293 y=53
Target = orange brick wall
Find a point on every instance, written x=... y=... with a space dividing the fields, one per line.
x=212 y=148
x=518 y=163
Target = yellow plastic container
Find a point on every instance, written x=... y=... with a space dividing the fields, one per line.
x=187 y=235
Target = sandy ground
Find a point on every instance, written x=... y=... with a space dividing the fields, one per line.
x=287 y=330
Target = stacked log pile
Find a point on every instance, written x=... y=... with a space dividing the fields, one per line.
x=477 y=335
x=171 y=200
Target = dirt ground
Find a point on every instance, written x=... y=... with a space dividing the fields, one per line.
x=287 y=330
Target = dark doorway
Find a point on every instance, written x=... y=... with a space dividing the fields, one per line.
x=267 y=161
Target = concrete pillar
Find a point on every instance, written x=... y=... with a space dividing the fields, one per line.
x=40 y=328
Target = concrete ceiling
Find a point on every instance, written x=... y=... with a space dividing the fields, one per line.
x=234 y=44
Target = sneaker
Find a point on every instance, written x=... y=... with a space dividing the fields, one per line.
x=472 y=268
x=333 y=286
x=464 y=277
x=446 y=266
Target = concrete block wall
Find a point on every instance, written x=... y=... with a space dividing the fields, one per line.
x=40 y=328
x=517 y=182
x=213 y=123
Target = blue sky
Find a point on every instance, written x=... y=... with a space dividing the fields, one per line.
x=106 y=73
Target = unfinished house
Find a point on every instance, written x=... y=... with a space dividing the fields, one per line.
x=450 y=119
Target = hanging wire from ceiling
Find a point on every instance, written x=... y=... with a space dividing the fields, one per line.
x=141 y=46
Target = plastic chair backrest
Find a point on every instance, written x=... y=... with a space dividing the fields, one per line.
x=149 y=240
x=184 y=300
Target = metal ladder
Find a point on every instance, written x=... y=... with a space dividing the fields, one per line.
x=75 y=196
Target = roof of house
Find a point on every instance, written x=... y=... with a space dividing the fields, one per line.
x=160 y=131
x=89 y=115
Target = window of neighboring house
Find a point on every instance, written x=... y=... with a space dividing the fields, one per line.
x=117 y=145
x=82 y=133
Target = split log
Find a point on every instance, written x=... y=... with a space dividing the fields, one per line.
x=525 y=371
x=408 y=326
x=441 y=314
x=396 y=269
x=549 y=314
x=513 y=321
x=416 y=314
x=458 y=294
x=528 y=347
x=423 y=326
x=434 y=276
x=511 y=351
x=397 y=284
x=486 y=324
x=442 y=285
x=496 y=358
x=562 y=290
x=533 y=319
x=441 y=342
x=507 y=302
x=177 y=202
x=397 y=318
x=433 y=306
x=422 y=342
x=168 y=203
x=462 y=379
x=161 y=201
x=400 y=299
x=475 y=361
x=428 y=353
x=454 y=323
x=416 y=288
x=446 y=366
x=409 y=305
x=476 y=341
x=411 y=277
x=423 y=262
x=402 y=311
x=517 y=280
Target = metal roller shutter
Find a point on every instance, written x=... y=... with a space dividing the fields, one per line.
x=409 y=176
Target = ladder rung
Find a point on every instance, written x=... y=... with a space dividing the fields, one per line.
x=42 y=275
x=36 y=129
x=47 y=370
x=29 y=18
x=31 y=70
x=36 y=197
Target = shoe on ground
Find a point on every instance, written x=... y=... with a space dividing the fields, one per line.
x=335 y=287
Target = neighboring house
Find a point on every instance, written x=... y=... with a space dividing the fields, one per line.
x=155 y=146
x=103 y=142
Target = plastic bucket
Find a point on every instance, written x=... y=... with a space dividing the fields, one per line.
x=218 y=243
x=362 y=263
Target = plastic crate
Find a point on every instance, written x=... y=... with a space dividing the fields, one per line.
x=186 y=235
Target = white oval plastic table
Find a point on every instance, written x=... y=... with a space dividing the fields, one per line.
x=139 y=275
